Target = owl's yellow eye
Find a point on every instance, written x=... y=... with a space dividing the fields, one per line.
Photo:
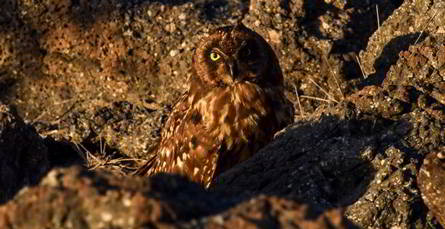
x=214 y=56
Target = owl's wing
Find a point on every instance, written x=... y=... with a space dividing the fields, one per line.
x=143 y=170
x=178 y=113
x=188 y=146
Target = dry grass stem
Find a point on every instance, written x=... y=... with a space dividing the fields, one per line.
x=102 y=160
x=324 y=91
x=316 y=98
x=335 y=77
x=361 y=67
x=298 y=101
x=378 y=16
x=426 y=25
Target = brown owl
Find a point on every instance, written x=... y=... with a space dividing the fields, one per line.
x=233 y=107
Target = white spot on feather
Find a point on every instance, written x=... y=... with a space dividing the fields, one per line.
x=166 y=153
x=195 y=171
x=179 y=162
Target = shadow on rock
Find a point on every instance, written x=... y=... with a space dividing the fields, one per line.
x=24 y=156
x=390 y=55
x=314 y=9
x=86 y=13
x=20 y=51
x=362 y=24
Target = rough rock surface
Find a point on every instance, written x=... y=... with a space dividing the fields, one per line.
x=412 y=22
x=431 y=181
x=76 y=198
x=100 y=77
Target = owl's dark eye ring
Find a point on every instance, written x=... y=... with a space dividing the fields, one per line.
x=214 y=56
x=247 y=52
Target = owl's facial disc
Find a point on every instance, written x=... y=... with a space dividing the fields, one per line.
x=235 y=55
x=237 y=65
x=230 y=62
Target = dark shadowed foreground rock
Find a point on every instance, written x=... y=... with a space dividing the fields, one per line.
x=273 y=212
x=77 y=198
x=23 y=156
x=431 y=181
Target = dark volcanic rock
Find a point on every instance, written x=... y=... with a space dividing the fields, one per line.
x=407 y=86
x=76 y=198
x=408 y=25
x=273 y=212
x=104 y=74
x=431 y=181
x=23 y=155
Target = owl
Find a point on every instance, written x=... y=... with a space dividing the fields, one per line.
x=234 y=105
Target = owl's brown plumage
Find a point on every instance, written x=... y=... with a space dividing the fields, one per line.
x=233 y=107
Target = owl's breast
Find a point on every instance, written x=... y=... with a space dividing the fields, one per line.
x=236 y=115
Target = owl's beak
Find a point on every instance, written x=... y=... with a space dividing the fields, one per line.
x=233 y=64
x=234 y=70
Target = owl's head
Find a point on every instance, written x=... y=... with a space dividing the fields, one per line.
x=236 y=54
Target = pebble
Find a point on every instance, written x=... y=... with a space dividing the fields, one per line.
x=173 y=53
